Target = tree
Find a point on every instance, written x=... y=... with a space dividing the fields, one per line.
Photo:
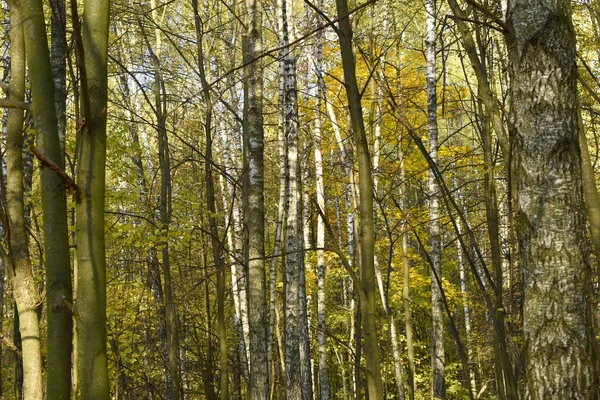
x=212 y=209
x=53 y=208
x=367 y=238
x=90 y=289
x=254 y=215
x=438 y=378
x=19 y=265
x=559 y=343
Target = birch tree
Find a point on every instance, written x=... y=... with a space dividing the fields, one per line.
x=438 y=380
x=293 y=223
x=559 y=351
x=254 y=211
x=321 y=268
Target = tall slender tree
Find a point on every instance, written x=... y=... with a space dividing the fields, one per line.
x=217 y=246
x=254 y=216
x=19 y=267
x=438 y=380
x=92 y=368
x=367 y=289
x=60 y=321
x=321 y=267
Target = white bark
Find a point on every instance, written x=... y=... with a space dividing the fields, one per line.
x=438 y=357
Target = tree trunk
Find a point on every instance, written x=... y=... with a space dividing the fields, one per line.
x=58 y=274
x=174 y=383
x=278 y=239
x=438 y=383
x=217 y=246
x=58 y=55
x=321 y=268
x=24 y=287
x=293 y=225
x=92 y=368
x=590 y=191
x=559 y=343
x=254 y=215
x=465 y=303
x=367 y=237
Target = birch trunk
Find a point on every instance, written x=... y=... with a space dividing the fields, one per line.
x=438 y=383
x=254 y=203
x=465 y=302
x=276 y=248
x=237 y=278
x=559 y=344
x=293 y=225
x=321 y=268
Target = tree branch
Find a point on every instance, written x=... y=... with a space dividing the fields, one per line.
x=67 y=180
x=20 y=105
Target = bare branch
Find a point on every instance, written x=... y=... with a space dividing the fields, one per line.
x=67 y=180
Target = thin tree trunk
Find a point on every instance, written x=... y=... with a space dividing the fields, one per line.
x=406 y=301
x=237 y=271
x=174 y=387
x=217 y=246
x=590 y=191
x=367 y=243
x=321 y=268
x=92 y=368
x=58 y=54
x=24 y=287
x=58 y=276
x=465 y=302
x=559 y=343
x=254 y=215
x=278 y=239
x=438 y=383
x=209 y=390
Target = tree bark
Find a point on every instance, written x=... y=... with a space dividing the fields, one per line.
x=321 y=268
x=254 y=215
x=293 y=224
x=559 y=346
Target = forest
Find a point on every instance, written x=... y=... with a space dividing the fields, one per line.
x=300 y=199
